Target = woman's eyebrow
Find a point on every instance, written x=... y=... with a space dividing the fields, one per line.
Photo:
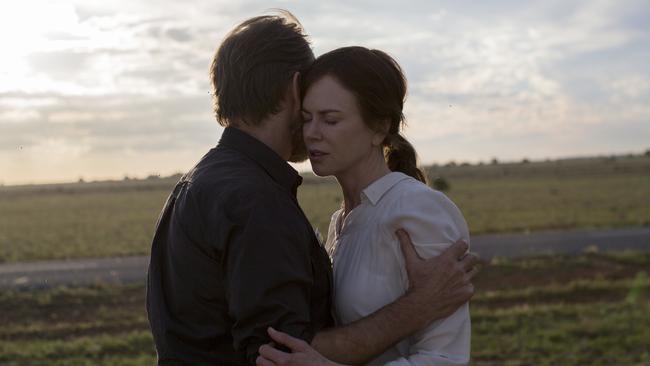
x=322 y=111
x=326 y=111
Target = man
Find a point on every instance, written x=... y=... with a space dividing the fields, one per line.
x=233 y=252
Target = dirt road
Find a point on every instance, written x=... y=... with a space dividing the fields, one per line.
x=133 y=269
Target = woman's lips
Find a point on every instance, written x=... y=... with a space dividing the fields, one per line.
x=316 y=154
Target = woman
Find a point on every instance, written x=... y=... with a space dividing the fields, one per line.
x=352 y=111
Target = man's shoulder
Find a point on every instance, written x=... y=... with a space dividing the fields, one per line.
x=228 y=171
x=226 y=180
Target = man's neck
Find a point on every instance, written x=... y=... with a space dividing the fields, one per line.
x=268 y=131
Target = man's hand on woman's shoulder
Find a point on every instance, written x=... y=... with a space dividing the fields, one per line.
x=439 y=285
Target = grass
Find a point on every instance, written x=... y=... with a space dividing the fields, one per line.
x=100 y=325
x=592 y=309
x=55 y=225
x=562 y=334
x=118 y=218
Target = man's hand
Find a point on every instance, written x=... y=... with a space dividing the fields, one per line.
x=441 y=284
x=302 y=354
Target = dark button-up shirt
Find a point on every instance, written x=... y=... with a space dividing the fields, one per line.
x=233 y=253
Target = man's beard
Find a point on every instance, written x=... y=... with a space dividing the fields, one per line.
x=298 y=149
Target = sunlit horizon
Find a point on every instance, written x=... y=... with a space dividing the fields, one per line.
x=304 y=168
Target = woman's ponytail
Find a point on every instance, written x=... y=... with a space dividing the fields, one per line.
x=400 y=156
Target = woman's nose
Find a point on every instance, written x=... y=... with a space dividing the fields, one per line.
x=311 y=130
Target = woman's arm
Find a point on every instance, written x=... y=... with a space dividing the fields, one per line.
x=418 y=269
x=434 y=223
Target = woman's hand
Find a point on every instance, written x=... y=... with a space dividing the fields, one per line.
x=301 y=352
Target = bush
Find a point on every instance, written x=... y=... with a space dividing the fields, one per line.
x=440 y=184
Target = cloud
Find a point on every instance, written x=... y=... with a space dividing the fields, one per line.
x=179 y=34
x=59 y=64
x=110 y=80
x=112 y=123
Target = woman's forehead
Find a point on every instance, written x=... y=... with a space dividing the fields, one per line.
x=327 y=95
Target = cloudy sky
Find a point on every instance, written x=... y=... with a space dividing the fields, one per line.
x=102 y=89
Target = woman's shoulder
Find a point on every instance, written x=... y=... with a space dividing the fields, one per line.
x=427 y=212
x=411 y=193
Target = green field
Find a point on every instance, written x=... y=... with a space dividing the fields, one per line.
x=591 y=309
x=117 y=218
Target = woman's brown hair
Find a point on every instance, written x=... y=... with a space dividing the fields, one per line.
x=379 y=85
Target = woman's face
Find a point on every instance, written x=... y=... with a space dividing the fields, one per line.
x=337 y=139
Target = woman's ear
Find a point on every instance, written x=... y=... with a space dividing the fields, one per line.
x=380 y=134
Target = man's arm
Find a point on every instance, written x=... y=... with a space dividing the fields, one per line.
x=268 y=273
x=437 y=287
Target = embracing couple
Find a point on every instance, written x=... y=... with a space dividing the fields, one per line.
x=238 y=276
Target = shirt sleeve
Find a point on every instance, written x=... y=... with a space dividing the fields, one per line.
x=268 y=273
x=433 y=223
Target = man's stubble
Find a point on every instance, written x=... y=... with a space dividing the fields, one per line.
x=298 y=149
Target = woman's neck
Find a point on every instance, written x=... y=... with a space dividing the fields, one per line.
x=357 y=178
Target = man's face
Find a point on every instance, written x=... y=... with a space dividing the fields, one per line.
x=298 y=149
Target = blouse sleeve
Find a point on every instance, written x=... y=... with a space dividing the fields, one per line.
x=433 y=223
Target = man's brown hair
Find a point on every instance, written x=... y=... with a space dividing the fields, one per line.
x=255 y=64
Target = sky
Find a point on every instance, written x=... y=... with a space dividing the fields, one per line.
x=105 y=89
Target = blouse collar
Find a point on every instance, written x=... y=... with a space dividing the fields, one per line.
x=376 y=190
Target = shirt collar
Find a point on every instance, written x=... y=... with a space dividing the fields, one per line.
x=376 y=190
x=264 y=156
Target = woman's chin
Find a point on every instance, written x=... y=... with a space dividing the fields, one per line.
x=319 y=171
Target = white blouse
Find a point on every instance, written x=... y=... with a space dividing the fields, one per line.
x=369 y=269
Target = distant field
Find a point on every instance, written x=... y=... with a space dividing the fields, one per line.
x=118 y=218
x=591 y=309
